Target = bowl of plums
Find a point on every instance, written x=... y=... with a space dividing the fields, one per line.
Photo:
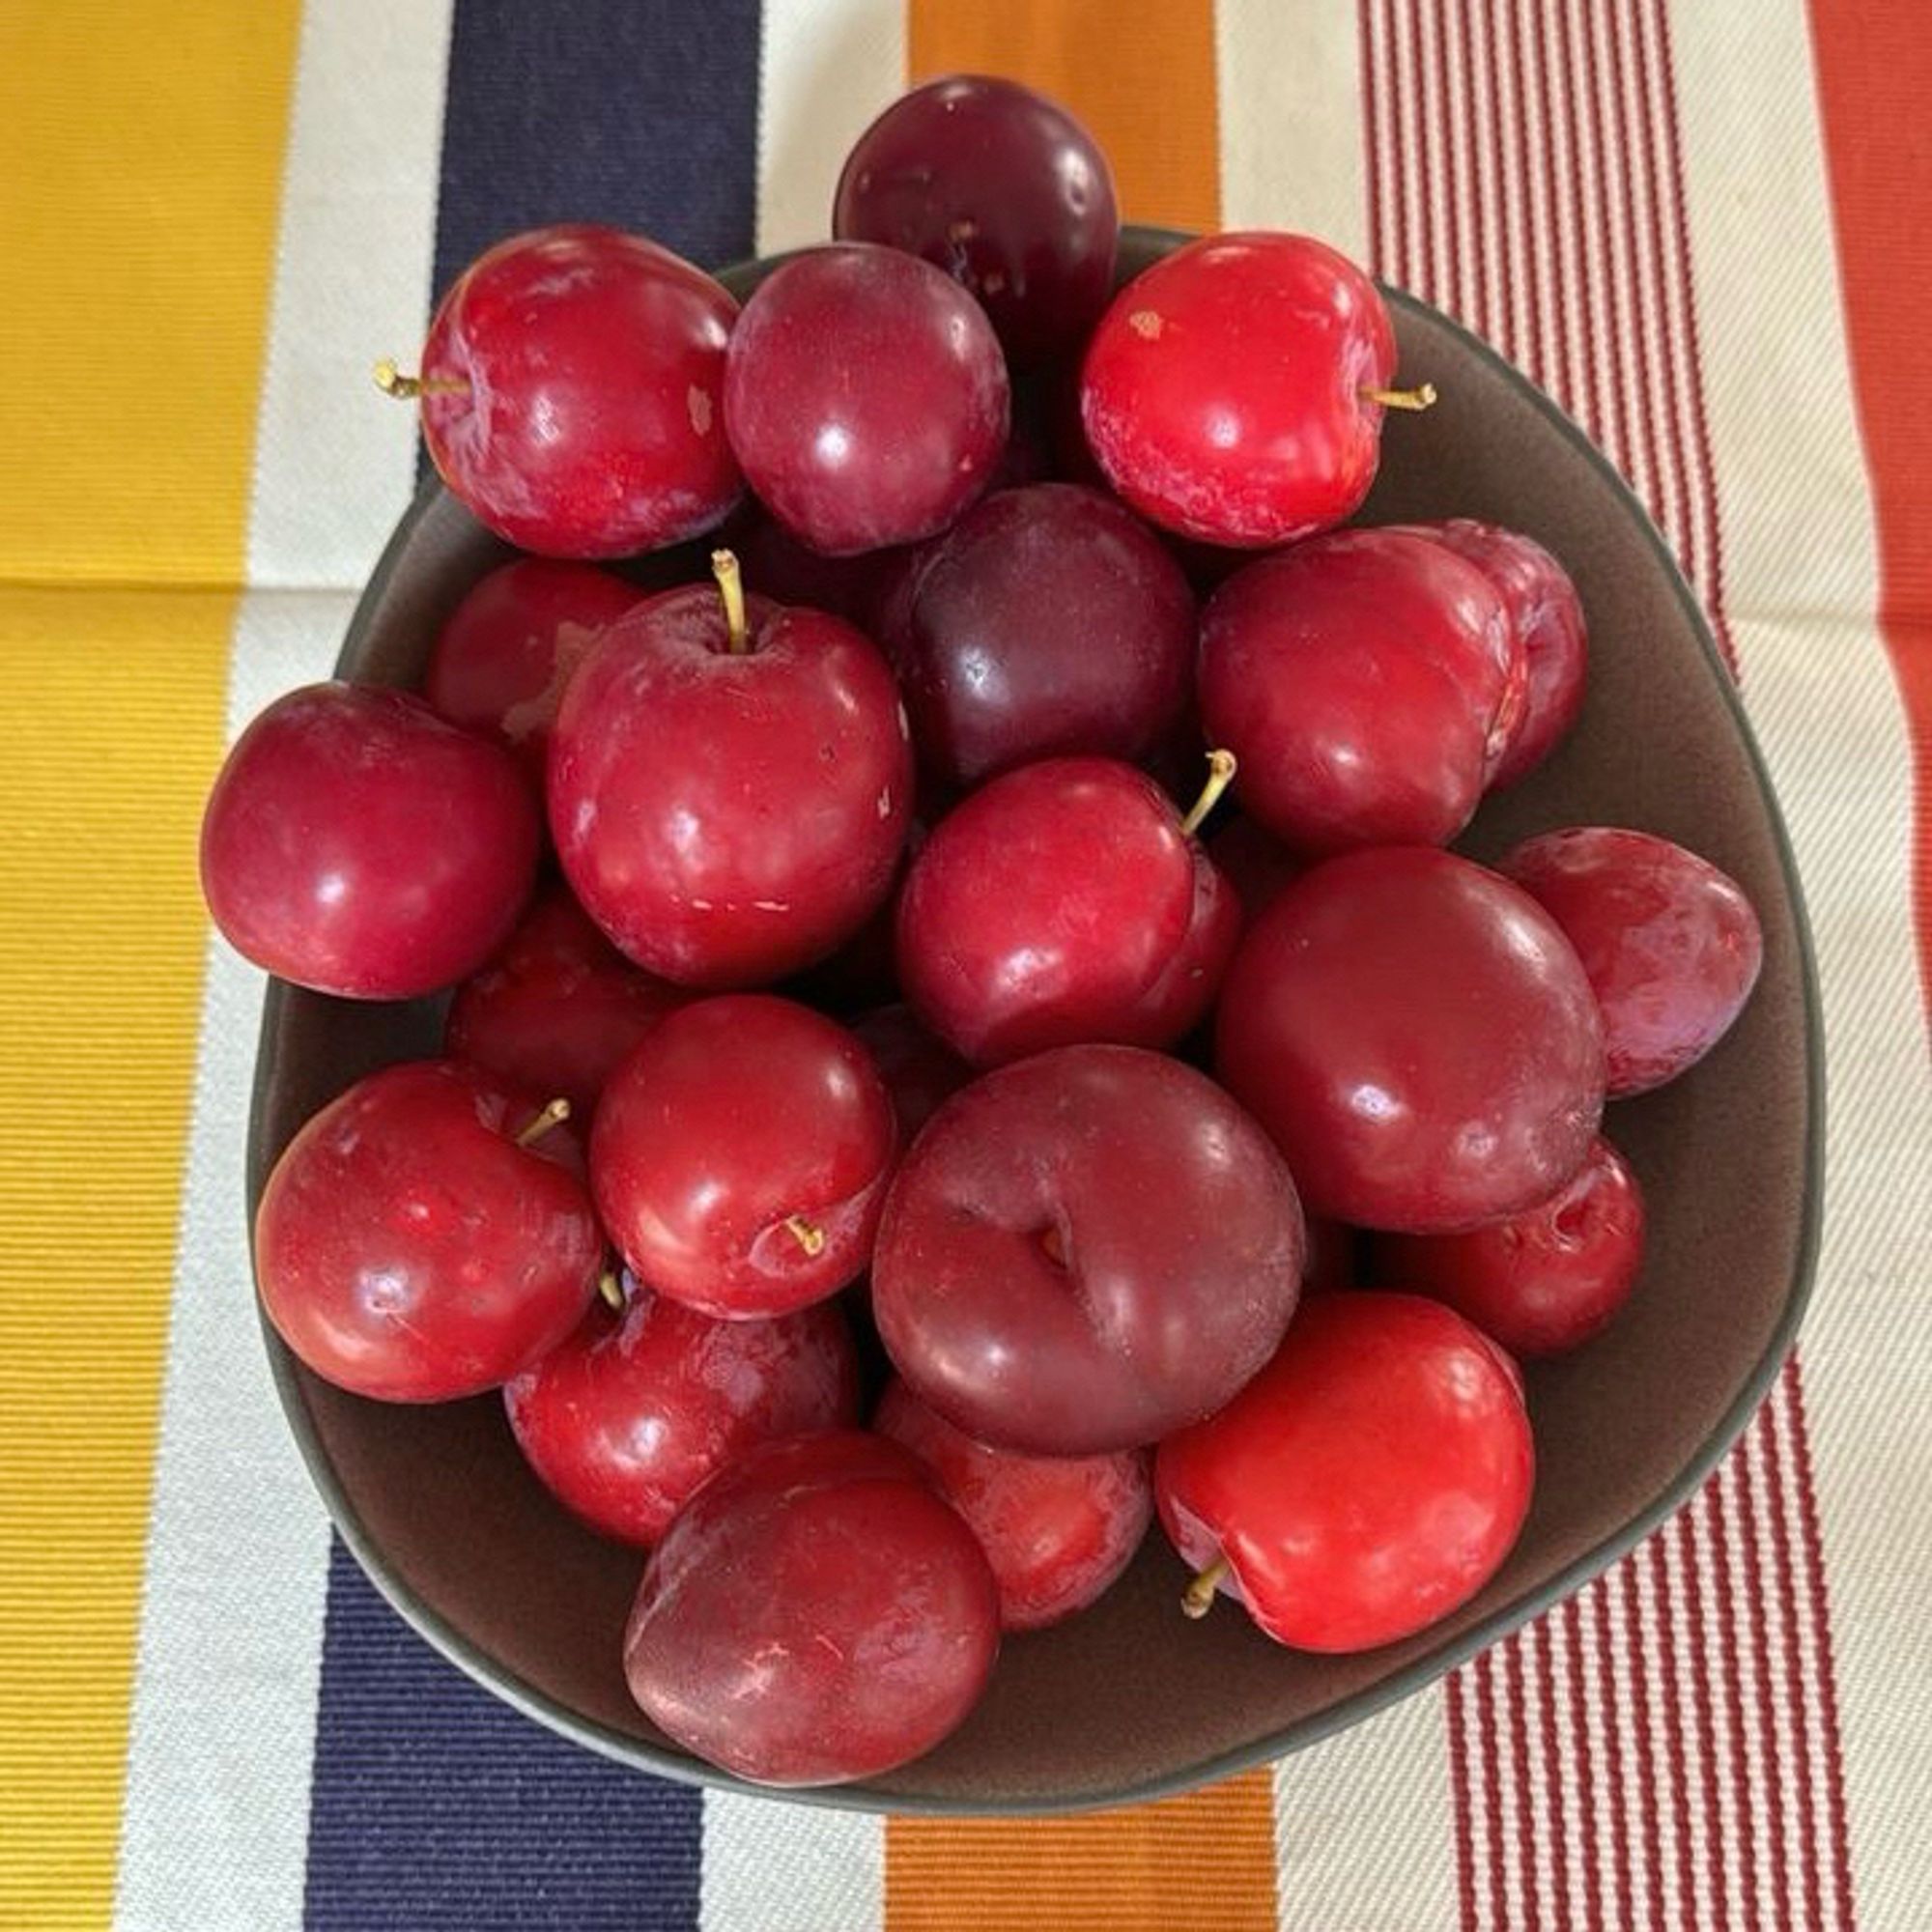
x=1037 y=1017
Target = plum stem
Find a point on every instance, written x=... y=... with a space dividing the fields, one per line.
x=393 y=382
x=731 y=588
x=1421 y=397
x=1220 y=776
x=610 y=1289
x=1198 y=1599
x=810 y=1237
x=555 y=1115
x=1054 y=1248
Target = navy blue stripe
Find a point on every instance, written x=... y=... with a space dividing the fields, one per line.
x=432 y=1806
x=641 y=113
x=438 y=1808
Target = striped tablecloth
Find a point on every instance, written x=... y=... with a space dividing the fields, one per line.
x=1704 y=228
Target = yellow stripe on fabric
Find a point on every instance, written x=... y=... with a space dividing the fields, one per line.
x=117 y=725
x=141 y=153
x=1139 y=73
x=140 y=168
x=1200 y=1862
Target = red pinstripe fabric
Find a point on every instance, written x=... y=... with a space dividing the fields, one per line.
x=1525 y=172
x=1673 y=1689
x=1823 y=1676
x=1519 y=1779
x=1465 y=1841
x=1767 y=1426
x=1710 y=1853
x=1616 y=1795
x=1542 y=1643
x=1494 y=1852
x=1718 y=1540
x=1571 y=1621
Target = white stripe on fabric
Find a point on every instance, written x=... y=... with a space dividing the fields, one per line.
x=1668 y=1795
x=1544 y=1754
x=1620 y=1782
x=1755 y=1690
x=1505 y=1818
x=215 y=1821
x=215 y=1816
x=1567 y=1900
x=1364 y=1826
x=1802 y=570
x=1413 y=233
x=1780 y=1758
x=773 y=1867
x=1812 y=1662
x=1290 y=122
x=334 y=459
x=829 y=66
x=1670 y=303
x=1471 y=79
x=1682 y=1645
x=1717 y=1638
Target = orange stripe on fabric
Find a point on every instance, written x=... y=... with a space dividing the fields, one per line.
x=1874 y=71
x=1202 y=1861
x=141 y=153
x=1139 y=73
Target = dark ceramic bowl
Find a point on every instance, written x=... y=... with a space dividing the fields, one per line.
x=1131 y=1701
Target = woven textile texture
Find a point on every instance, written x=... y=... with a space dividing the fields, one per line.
x=1701 y=229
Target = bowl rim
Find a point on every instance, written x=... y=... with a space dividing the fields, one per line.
x=1453 y=1652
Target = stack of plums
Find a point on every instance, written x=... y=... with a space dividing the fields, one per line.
x=834 y=965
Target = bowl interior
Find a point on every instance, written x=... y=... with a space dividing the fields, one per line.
x=1131 y=1699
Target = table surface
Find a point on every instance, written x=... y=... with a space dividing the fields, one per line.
x=1700 y=228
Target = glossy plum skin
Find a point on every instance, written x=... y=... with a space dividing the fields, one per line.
x=1671 y=946
x=1368 y=1482
x=573 y=383
x=558 y=1008
x=728 y=817
x=407 y=1249
x=1365 y=681
x=1543 y=1281
x=1179 y=1000
x=1084 y=1251
x=1045 y=910
x=1207 y=436
x=1047 y=621
x=1001 y=188
x=866 y=397
x=921 y=1073
x=1546 y=617
x=624 y=1419
x=1058 y=1530
x=1419 y=1038
x=358 y=845
x=815 y=1614
x=735 y=1117
x=501 y=661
